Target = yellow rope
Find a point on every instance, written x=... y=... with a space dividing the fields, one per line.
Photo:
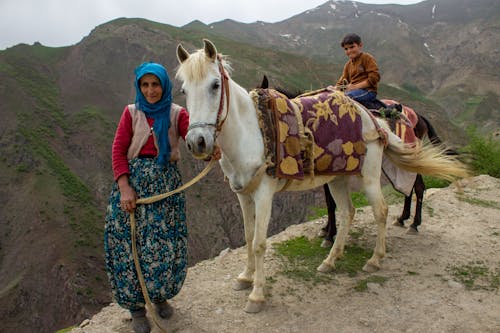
x=149 y=200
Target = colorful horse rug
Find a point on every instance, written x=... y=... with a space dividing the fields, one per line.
x=314 y=133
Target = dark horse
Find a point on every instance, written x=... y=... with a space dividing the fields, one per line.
x=423 y=128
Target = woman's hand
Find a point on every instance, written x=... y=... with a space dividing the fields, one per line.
x=217 y=154
x=127 y=194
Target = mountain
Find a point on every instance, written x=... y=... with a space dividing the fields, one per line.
x=60 y=107
x=440 y=49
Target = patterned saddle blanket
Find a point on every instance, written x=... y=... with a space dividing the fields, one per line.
x=315 y=133
x=403 y=126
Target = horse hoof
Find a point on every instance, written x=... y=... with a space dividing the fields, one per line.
x=412 y=231
x=326 y=243
x=241 y=285
x=325 y=268
x=398 y=223
x=370 y=268
x=254 y=307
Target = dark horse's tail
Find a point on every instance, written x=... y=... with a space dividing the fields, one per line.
x=432 y=135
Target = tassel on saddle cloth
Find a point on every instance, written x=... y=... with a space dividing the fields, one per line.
x=315 y=133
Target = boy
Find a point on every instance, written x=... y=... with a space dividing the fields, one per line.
x=360 y=76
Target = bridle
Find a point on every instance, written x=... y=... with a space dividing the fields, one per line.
x=224 y=91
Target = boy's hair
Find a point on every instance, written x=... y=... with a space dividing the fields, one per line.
x=350 y=39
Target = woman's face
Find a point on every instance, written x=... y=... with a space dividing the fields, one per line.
x=151 y=88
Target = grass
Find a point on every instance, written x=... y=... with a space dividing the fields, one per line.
x=476 y=275
x=363 y=284
x=479 y=202
x=66 y=330
x=300 y=257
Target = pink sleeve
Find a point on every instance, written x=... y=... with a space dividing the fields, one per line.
x=121 y=143
x=183 y=123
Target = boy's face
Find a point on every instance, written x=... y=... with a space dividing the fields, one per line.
x=353 y=50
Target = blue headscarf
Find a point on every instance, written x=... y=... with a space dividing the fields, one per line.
x=159 y=111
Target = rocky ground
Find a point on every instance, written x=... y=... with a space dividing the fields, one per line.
x=422 y=292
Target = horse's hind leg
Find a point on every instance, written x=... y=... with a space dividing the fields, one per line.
x=245 y=279
x=330 y=230
x=340 y=191
x=405 y=215
x=419 y=192
x=371 y=180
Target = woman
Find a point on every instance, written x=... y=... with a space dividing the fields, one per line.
x=144 y=153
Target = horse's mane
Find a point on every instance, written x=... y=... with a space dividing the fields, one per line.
x=196 y=66
x=288 y=93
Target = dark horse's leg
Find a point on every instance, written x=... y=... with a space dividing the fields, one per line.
x=419 y=187
x=405 y=215
x=330 y=229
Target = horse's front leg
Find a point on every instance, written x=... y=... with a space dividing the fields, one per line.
x=263 y=198
x=371 y=180
x=245 y=279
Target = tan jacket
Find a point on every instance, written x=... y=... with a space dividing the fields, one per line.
x=359 y=69
x=142 y=130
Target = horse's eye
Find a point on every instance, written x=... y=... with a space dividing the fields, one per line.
x=215 y=85
x=183 y=91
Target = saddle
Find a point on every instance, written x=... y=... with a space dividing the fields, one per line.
x=401 y=119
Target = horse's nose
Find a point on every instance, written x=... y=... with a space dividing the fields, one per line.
x=201 y=144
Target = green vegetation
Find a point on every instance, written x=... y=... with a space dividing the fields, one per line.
x=479 y=202
x=483 y=153
x=66 y=330
x=363 y=284
x=39 y=134
x=300 y=258
x=433 y=182
x=476 y=275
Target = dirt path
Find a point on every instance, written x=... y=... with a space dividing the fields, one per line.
x=422 y=291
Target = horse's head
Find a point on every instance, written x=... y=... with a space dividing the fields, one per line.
x=204 y=82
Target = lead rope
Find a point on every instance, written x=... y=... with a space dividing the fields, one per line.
x=149 y=200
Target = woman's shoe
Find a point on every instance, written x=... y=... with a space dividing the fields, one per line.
x=140 y=322
x=164 y=310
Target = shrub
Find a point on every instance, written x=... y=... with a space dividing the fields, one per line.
x=483 y=153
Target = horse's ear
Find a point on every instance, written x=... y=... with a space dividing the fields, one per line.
x=210 y=49
x=182 y=54
x=265 y=83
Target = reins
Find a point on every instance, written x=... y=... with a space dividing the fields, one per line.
x=224 y=89
x=150 y=200
x=224 y=92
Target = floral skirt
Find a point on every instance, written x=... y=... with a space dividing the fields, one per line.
x=161 y=234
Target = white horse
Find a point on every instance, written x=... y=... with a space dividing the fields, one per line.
x=223 y=114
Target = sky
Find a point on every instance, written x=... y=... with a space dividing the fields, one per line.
x=65 y=22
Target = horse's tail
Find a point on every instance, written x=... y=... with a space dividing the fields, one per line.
x=433 y=137
x=424 y=158
x=431 y=132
